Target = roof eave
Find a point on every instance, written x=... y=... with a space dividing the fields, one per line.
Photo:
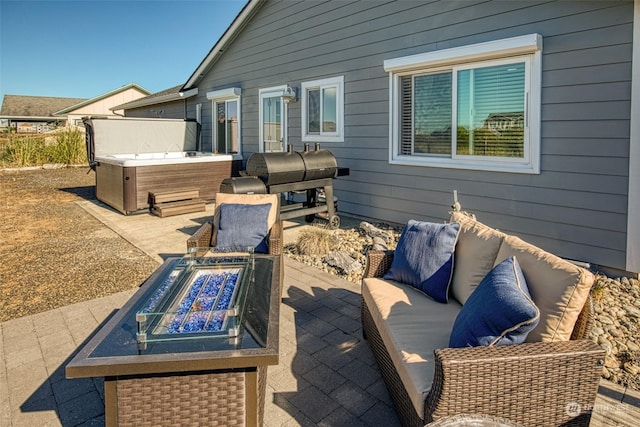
x=230 y=33
x=143 y=102
x=28 y=118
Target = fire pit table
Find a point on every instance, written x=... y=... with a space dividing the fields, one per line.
x=191 y=346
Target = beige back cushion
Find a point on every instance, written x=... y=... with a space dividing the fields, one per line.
x=558 y=287
x=475 y=255
x=246 y=199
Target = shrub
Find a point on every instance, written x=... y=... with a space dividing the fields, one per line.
x=315 y=241
x=599 y=285
x=68 y=147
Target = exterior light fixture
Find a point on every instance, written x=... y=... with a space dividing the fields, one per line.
x=289 y=94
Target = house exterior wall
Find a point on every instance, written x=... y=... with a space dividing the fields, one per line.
x=576 y=207
x=102 y=106
x=167 y=110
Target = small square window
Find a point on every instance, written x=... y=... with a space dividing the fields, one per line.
x=323 y=110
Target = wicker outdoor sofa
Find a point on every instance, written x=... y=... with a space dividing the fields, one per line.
x=550 y=380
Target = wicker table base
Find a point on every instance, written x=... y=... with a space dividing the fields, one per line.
x=224 y=398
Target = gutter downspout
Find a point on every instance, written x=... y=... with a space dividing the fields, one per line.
x=187 y=94
x=633 y=192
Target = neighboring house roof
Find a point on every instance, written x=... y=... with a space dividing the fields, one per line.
x=247 y=12
x=36 y=107
x=167 y=95
x=103 y=96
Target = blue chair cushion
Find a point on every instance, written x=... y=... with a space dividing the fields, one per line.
x=243 y=226
x=423 y=258
x=498 y=312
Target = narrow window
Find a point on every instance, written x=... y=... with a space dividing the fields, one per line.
x=273 y=112
x=226 y=129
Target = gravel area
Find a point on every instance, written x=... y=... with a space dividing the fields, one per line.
x=617 y=328
x=53 y=252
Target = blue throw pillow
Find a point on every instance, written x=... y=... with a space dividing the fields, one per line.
x=423 y=258
x=498 y=312
x=243 y=226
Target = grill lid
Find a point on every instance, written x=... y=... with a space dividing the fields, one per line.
x=292 y=166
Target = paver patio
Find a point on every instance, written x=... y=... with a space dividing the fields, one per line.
x=326 y=376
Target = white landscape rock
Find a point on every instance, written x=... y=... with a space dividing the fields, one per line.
x=617 y=329
x=343 y=261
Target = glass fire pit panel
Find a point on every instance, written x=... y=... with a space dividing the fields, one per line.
x=202 y=297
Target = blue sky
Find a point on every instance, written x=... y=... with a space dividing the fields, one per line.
x=85 y=48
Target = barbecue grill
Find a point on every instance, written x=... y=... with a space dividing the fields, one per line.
x=312 y=171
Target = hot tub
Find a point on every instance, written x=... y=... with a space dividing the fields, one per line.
x=135 y=157
x=124 y=181
x=146 y=159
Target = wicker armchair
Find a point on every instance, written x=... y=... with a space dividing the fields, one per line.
x=205 y=236
x=534 y=384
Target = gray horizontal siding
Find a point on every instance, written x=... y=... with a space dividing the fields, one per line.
x=603 y=110
x=586 y=128
x=589 y=92
x=576 y=207
x=166 y=110
x=595 y=147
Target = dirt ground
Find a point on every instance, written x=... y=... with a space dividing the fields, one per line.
x=52 y=252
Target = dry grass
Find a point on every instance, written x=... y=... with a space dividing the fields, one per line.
x=315 y=241
x=597 y=290
x=63 y=146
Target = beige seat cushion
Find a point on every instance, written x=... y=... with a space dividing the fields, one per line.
x=411 y=326
x=246 y=199
x=475 y=255
x=558 y=287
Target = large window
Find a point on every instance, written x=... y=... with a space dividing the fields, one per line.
x=464 y=108
x=323 y=110
x=226 y=120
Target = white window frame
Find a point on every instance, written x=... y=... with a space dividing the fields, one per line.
x=332 y=82
x=527 y=49
x=224 y=95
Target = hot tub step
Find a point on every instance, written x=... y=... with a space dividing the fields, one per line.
x=177 y=208
x=173 y=195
